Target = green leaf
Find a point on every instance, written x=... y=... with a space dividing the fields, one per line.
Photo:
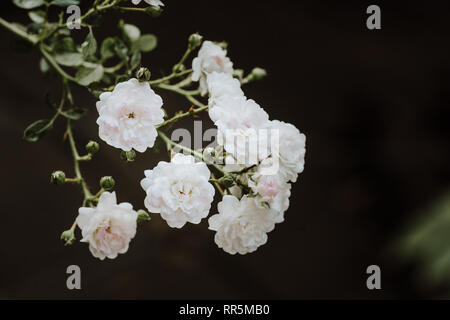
x=89 y=46
x=121 y=49
x=28 y=4
x=34 y=28
x=131 y=33
x=147 y=42
x=135 y=60
x=69 y=59
x=107 y=49
x=87 y=75
x=37 y=130
x=65 y=3
x=44 y=66
x=75 y=113
x=65 y=45
x=154 y=11
x=37 y=16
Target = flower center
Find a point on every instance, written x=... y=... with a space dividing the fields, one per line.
x=218 y=61
x=131 y=115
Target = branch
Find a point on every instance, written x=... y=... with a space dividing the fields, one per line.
x=18 y=31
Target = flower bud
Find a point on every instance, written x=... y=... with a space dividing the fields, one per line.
x=208 y=155
x=154 y=11
x=128 y=156
x=178 y=68
x=195 y=40
x=143 y=216
x=92 y=147
x=68 y=237
x=58 y=177
x=256 y=74
x=143 y=74
x=226 y=181
x=223 y=45
x=238 y=73
x=107 y=183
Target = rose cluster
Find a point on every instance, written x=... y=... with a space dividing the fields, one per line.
x=262 y=157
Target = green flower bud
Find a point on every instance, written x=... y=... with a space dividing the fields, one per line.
x=195 y=40
x=92 y=147
x=154 y=11
x=68 y=237
x=259 y=73
x=223 y=45
x=128 y=156
x=143 y=74
x=226 y=181
x=58 y=177
x=256 y=74
x=143 y=216
x=107 y=183
x=239 y=73
x=178 y=68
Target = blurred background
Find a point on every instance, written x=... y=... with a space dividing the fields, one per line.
x=374 y=106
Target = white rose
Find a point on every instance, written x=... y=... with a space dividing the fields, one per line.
x=180 y=190
x=128 y=116
x=291 y=149
x=241 y=226
x=242 y=126
x=156 y=3
x=211 y=57
x=222 y=86
x=271 y=189
x=109 y=227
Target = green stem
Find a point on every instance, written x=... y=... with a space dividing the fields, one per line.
x=76 y=161
x=188 y=94
x=198 y=155
x=135 y=9
x=114 y=69
x=170 y=77
x=18 y=31
x=186 y=54
x=216 y=183
x=182 y=115
x=55 y=65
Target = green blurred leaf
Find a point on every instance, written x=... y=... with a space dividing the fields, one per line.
x=147 y=42
x=69 y=59
x=37 y=16
x=65 y=3
x=65 y=45
x=44 y=66
x=28 y=4
x=121 y=49
x=87 y=75
x=131 y=33
x=89 y=46
x=37 y=130
x=34 y=28
x=107 y=49
x=135 y=60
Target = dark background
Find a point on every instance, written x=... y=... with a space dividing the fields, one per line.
x=374 y=106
